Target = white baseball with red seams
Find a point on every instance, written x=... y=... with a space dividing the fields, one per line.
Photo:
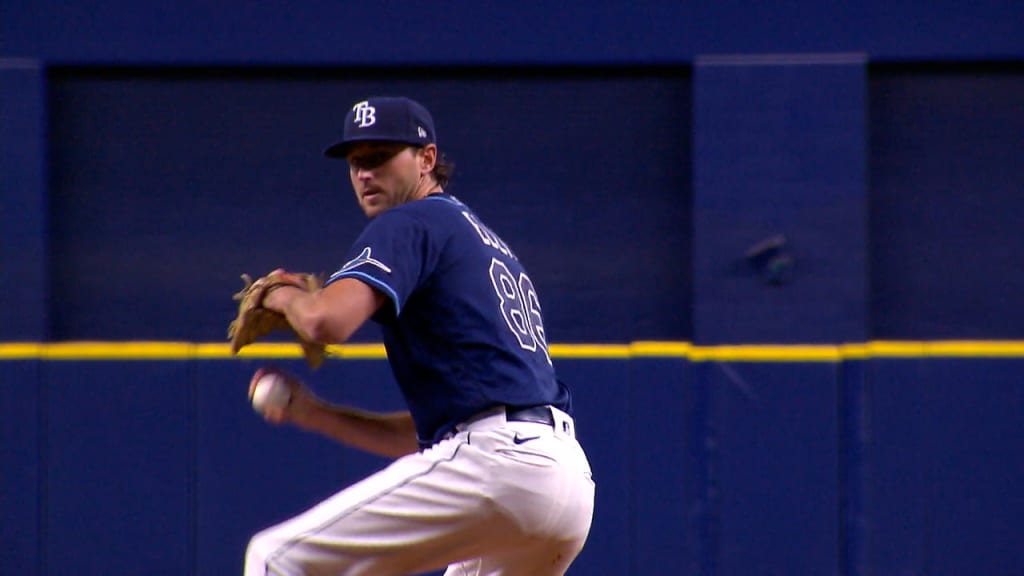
x=271 y=391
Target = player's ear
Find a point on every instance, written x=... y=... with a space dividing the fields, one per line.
x=427 y=157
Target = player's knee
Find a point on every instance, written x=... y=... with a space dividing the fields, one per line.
x=256 y=555
x=264 y=555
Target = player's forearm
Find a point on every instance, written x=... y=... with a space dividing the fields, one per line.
x=391 y=435
x=307 y=314
x=330 y=315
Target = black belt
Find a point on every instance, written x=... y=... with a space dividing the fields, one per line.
x=535 y=414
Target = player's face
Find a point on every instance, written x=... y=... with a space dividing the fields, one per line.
x=384 y=175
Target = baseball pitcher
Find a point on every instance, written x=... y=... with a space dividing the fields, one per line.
x=489 y=478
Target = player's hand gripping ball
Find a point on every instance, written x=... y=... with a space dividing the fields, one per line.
x=271 y=391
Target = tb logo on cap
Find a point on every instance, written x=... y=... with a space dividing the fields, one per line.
x=365 y=114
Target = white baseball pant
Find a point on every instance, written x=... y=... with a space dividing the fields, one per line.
x=497 y=498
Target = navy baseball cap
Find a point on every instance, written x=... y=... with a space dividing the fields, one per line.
x=389 y=119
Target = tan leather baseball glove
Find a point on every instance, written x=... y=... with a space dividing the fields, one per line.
x=254 y=321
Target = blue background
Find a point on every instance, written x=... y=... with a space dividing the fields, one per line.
x=633 y=155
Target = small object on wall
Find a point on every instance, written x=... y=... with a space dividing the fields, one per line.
x=772 y=259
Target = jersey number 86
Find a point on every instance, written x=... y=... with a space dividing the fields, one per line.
x=520 y=307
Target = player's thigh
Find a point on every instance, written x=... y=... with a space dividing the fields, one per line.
x=412 y=509
x=535 y=558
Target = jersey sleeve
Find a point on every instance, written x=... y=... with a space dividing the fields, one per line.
x=395 y=254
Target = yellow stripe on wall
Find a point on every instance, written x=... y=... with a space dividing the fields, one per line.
x=642 y=349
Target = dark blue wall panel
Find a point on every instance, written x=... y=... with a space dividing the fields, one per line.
x=119 y=454
x=946 y=202
x=664 y=489
x=945 y=470
x=779 y=150
x=852 y=422
x=21 y=467
x=23 y=249
x=775 y=433
x=703 y=451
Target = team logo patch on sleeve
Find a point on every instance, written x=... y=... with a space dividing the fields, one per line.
x=363 y=258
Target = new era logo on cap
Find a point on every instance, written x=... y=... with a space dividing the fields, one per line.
x=389 y=119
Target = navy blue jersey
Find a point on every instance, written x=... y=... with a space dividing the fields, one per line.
x=463 y=326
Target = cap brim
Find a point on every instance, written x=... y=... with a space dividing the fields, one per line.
x=339 y=150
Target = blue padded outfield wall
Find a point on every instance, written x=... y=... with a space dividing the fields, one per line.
x=778 y=248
